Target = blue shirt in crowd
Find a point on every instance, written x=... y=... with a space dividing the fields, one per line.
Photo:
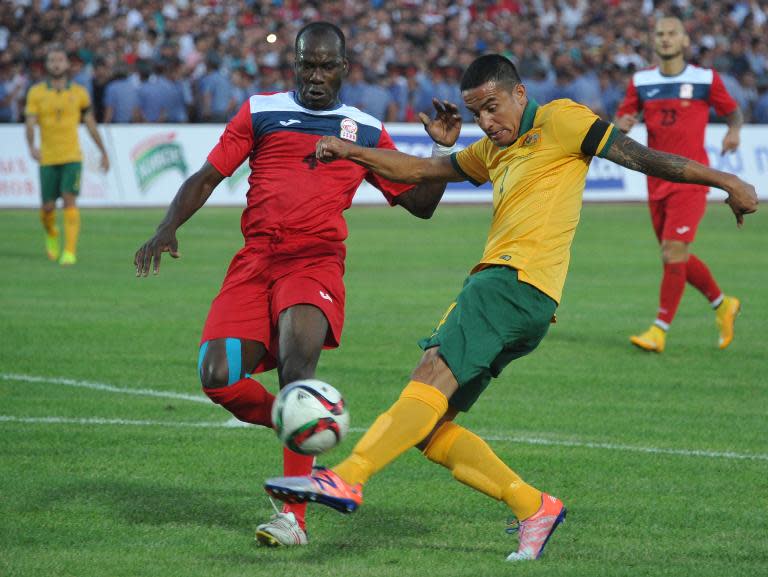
x=122 y=96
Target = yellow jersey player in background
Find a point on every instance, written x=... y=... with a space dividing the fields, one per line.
x=537 y=159
x=57 y=106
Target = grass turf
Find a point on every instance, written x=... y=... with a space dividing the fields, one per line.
x=165 y=489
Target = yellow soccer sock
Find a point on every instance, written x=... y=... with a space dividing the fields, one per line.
x=48 y=218
x=474 y=463
x=407 y=422
x=71 y=228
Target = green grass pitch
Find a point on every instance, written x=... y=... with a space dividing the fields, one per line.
x=113 y=464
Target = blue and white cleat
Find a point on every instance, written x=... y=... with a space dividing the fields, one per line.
x=322 y=486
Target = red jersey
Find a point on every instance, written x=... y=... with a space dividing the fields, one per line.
x=676 y=110
x=290 y=192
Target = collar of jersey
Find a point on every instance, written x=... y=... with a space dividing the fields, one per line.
x=296 y=100
x=526 y=122
x=673 y=75
x=50 y=87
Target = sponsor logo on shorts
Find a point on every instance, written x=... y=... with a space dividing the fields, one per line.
x=348 y=129
x=326 y=296
x=682 y=229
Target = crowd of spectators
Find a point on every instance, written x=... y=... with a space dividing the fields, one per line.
x=196 y=61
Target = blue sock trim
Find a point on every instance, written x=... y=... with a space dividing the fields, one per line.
x=200 y=357
x=234 y=360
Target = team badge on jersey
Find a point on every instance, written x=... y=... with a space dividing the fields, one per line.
x=686 y=90
x=533 y=138
x=349 y=129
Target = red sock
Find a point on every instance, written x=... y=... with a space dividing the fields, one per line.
x=296 y=465
x=246 y=399
x=699 y=275
x=672 y=287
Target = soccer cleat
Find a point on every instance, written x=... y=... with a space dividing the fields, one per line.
x=52 y=247
x=652 y=340
x=725 y=318
x=67 y=258
x=321 y=486
x=536 y=530
x=282 y=531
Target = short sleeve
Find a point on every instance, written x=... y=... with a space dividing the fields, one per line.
x=235 y=144
x=389 y=189
x=580 y=131
x=32 y=107
x=719 y=98
x=631 y=103
x=470 y=162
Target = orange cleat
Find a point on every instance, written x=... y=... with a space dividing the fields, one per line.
x=725 y=318
x=536 y=530
x=323 y=486
x=653 y=340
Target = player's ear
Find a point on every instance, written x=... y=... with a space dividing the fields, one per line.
x=345 y=67
x=520 y=92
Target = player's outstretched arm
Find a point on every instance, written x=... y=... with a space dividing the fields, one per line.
x=631 y=154
x=188 y=200
x=391 y=164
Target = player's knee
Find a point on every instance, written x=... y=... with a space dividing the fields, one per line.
x=214 y=376
x=674 y=252
x=218 y=366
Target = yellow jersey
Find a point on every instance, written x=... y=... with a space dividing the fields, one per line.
x=538 y=183
x=58 y=113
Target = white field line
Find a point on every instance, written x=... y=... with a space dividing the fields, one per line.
x=234 y=423
x=104 y=387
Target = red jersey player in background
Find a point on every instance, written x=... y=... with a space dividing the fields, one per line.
x=282 y=300
x=675 y=98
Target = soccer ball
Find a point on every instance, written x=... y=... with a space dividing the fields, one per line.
x=310 y=417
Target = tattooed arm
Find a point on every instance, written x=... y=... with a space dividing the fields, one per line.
x=631 y=154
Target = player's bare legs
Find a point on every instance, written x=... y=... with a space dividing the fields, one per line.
x=223 y=366
x=302 y=332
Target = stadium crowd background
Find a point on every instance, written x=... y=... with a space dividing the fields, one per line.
x=185 y=61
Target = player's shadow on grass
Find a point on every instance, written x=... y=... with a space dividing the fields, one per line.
x=146 y=503
x=376 y=527
x=602 y=340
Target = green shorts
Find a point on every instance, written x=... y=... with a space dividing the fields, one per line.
x=56 y=179
x=495 y=320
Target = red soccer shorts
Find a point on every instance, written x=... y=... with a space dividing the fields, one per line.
x=264 y=279
x=677 y=215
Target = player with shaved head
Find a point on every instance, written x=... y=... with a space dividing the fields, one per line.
x=674 y=99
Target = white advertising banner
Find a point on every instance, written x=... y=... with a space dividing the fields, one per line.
x=149 y=163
